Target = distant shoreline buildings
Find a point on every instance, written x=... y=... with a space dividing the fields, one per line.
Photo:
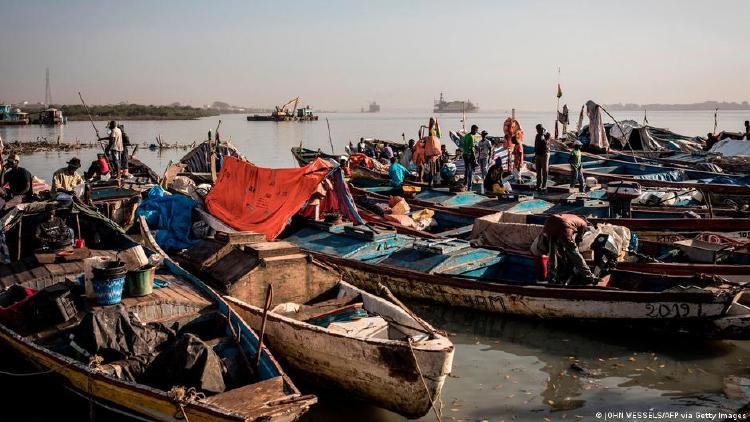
x=706 y=105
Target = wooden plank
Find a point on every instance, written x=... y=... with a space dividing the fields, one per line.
x=245 y=399
x=230 y=269
x=205 y=253
x=271 y=249
x=317 y=310
x=240 y=238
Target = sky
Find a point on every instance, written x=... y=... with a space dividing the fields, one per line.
x=338 y=55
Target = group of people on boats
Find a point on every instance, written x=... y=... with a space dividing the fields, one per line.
x=17 y=184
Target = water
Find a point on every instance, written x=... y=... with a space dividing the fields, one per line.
x=268 y=143
x=505 y=368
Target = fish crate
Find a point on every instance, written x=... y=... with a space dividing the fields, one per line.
x=704 y=252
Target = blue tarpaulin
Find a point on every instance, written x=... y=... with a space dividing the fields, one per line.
x=170 y=216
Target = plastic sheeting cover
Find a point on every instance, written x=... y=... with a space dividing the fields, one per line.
x=170 y=216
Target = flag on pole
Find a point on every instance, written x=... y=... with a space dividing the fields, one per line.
x=559 y=90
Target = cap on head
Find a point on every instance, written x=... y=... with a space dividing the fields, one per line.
x=74 y=162
x=577 y=143
x=484 y=132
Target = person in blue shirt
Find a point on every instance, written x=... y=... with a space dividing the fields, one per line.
x=397 y=173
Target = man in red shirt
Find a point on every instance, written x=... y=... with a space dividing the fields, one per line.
x=562 y=233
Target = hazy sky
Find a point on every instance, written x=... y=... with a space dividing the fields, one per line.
x=338 y=55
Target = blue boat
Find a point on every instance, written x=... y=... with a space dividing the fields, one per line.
x=451 y=272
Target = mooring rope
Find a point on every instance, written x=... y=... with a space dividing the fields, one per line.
x=30 y=374
x=438 y=412
x=183 y=396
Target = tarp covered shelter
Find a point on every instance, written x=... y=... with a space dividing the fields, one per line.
x=252 y=198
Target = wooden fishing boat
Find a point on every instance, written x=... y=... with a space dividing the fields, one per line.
x=450 y=272
x=184 y=312
x=305 y=156
x=473 y=205
x=200 y=163
x=382 y=354
x=607 y=170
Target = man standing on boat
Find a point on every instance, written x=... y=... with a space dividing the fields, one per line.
x=124 y=163
x=576 y=170
x=747 y=131
x=469 y=143
x=432 y=149
x=560 y=237
x=485 y=151
x=541 y=157
x=114 y=148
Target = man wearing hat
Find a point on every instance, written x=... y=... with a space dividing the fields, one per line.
x=67 y=178
x=19 y=180
x=485 y=151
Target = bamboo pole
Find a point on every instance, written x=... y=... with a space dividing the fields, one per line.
x=330 y=141
x=269 y=299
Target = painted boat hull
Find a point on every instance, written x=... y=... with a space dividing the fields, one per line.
x=532 y=301
x=379 y=371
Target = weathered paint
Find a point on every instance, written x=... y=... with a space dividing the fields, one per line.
x=377 y=370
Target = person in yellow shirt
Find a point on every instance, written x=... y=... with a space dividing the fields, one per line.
x=66 y=178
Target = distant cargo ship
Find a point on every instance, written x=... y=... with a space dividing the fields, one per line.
x=442 y=106
x=373 y=108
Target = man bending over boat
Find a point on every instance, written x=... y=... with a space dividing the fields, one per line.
x=560 y=237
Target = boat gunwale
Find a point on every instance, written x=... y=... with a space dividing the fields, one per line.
x=422 y=345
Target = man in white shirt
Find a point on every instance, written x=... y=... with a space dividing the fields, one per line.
x=114 y=148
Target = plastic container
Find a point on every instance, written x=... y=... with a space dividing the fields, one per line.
x=140 y=282
x=88 y=272
x=540 y=264
x=108 y=283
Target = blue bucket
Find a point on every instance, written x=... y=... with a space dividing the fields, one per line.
x=108 y=291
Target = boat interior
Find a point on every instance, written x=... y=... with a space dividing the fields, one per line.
x=178 y=335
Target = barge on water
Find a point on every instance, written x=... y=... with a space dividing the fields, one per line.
x=11 y=117
x=283 y=113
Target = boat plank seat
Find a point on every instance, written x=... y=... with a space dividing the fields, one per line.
x=232 y=267
x=272 y=249
x=40 y=276
x=165 y=303
x=327 y=307
x=75 y=255
x=205 y=253
x=249 y=398
x=240 y=238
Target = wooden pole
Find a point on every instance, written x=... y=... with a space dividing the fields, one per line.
x=269 y=299
x=104 y=150
x=20 y=232
x=716 y=120
x=621 y=131
x=330 y=141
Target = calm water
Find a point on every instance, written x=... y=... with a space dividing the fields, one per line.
x=268 y=143
x=505 y=368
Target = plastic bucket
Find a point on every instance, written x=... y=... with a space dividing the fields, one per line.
x=141 y=282
x=108 y=291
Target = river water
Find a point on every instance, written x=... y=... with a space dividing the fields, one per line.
x=505 y=369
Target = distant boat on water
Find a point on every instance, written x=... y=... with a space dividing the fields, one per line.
x=373 y=108
x=442 y=106
x=11 y=116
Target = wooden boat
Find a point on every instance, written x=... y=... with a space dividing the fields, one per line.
x=401 y=364
x=607 y=170
x=199 y=164
x=186 y=307
x=449 y=272
x=305 y=156
x=473 y=205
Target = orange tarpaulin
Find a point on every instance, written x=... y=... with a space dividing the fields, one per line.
x=251 y=198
